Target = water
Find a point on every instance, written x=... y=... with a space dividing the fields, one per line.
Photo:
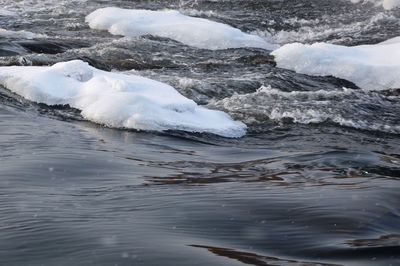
x=314 y=182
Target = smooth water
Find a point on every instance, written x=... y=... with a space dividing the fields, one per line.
x=314 y=182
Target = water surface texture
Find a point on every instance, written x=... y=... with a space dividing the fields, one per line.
x=314 y=182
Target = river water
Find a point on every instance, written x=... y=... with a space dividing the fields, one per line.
x=314 y=182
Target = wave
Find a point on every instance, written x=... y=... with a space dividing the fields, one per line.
x=331 y=29
x=21 y=34
x=7 y=13
x=347 y=107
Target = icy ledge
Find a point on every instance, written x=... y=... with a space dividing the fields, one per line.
x=116 y=100
x=197 y=32
x=371 y=67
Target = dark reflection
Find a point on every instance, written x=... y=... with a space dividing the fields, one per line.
x=43 y=47
x=382 y=241
x=15 y=47
x=103 y=196
x=255 y=259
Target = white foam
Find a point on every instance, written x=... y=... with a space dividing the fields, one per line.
x=197 y=32
x=372 y=67
x=115 y=99
x=345 y=107
x=309 y=31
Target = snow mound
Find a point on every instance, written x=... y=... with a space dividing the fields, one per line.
x=116 y=100
x=197 y=32
x=387 y=4
x=371 y=67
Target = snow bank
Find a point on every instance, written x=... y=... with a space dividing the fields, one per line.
x=372 y=67
x=197 y=32
x=115 y=99
x=387 y=4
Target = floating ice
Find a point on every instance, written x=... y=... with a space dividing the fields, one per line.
x=115 y=99
x=387 y=4
x=197 y=32
x=371 y=67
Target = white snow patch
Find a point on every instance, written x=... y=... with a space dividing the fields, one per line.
x=115 y=99
x=192 y=31
x=387 y=4
x=371 y=67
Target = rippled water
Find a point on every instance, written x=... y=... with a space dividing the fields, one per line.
x=314 y=182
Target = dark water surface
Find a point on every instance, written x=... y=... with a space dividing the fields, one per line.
x=315 y=181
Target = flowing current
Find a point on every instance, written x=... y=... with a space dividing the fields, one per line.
x=315 y=181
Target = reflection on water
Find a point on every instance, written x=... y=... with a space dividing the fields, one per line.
x=76 y=193
x=255 y=259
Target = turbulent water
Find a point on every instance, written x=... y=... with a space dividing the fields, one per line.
x=314 y=182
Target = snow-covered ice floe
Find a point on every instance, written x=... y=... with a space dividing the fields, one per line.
x=371 y=67
x=192 y=31
x=387 y=4
x=115 y=99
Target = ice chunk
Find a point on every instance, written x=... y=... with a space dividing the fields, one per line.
x=390 y=4
x=387 y=4
x=197 y=32
x=371 y=67
x=115 y=99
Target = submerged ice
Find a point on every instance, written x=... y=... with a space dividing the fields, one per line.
x=192 y=31
x=371 y=67
x=115 y=99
